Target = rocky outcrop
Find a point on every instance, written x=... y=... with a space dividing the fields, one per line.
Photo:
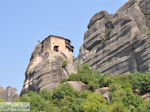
x=77 y=85
x=146 y=97
x=105 y=92
x=2 y=93
x=45 y=70
x=9 y=95
x=117 y=43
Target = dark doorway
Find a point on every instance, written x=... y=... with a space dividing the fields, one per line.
x=56 y=48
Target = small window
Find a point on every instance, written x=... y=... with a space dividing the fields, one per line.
x=56 y=48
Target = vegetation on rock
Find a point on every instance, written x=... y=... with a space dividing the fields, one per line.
x=64 y=63
x=148 y=34
x=125 y=94
x=148 y=28
x=109 y=31
x=147 y=13
x=1 y=100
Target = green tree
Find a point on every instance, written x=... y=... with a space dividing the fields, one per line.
x=84 y=94
x=37 y=103
x=67 y=104
x=92 y=86
x=66 y=99
x=106 y=80
x=1 y=100
x=66 y=109
x=132 y=100
x=87 y=76
x=46 y=94
x=62 y=91
x=145 y=107
x=148 y=28
x=117 y=96
x=77 y=105
x=141 y=82
x=118 y=107
x=94 y=103
x=64 y=63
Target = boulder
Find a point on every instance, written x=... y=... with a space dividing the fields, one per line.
x=77 y=85
x=146 y=97
x=105 y=92
x=9 y=95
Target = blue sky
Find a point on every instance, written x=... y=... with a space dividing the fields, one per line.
x=23 y=22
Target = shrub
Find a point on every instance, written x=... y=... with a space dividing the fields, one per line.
x=67 y=104
x=74 y=77
x=132 y=100
x=66 y=109
x=77 y=105
x=115 y=86
x=84 y=94
x=141 y=82
x=109 y=31
x=85 y=68
x=94 y=103
x=62 y=91
x=46 y=94
x=118 y=107
x=106 y=80
x=92 y=86
x=64 y=80
x=148 y=28
x=145 y=107
x=87 y=76
x=103 y=38
x=148 y=34
x=117 y=95
x=66 y=99
x=1 y=100
x=64 y=63
x=146 y=13
x=36 y=101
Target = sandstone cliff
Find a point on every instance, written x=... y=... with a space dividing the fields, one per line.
x=119 y=43
x=9 y=94
x=45 y=70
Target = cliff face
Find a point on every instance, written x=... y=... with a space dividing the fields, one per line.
x=9 y=95
x=118 y=43
x=45 y=70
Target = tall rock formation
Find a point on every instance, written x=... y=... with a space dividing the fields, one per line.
x=119 y=43
x=51 y=62
x=9 y=94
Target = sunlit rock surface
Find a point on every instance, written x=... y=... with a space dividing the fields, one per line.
x=45 y=70
x=118 y=43
x=9 y=94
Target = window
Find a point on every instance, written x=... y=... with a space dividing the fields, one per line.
x=56 y=48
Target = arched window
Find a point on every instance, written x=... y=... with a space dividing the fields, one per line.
x=56 y=48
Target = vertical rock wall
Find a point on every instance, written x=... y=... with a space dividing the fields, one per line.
x=118 y=44
x=45 y=69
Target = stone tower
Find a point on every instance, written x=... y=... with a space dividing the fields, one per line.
x=59 y=44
